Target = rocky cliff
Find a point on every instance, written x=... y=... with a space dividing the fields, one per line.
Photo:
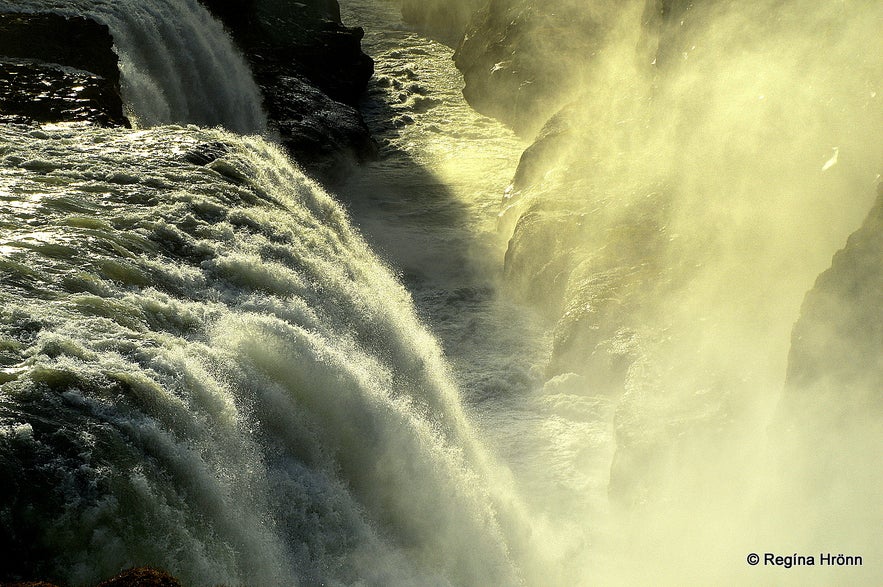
x=311 y=70
x=523 y=61
x=828 y=429
x=309 y=67
x=834 y=384
x=58 y=69
x=684 y=151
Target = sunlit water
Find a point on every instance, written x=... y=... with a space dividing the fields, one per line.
x=209 y=365
x=431 y=206
x=204 y=368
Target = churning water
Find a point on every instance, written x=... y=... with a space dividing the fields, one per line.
x=204 y=367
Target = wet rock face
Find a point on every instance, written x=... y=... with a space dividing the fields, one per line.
x=835 y=366
x=299 y=38
x=329 y=55
x=325 y=136
x=312 y=72
x=522 y=63
x=37 y=92
x=76 y=42
x=57 y=69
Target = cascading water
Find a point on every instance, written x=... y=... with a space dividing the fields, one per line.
x=177 y=64
x=204 y=368
x=670 y=237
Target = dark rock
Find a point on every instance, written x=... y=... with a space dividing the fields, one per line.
x=312 y=72
x=37 y=92
x=301 y=38
x=324 y=136
x=58 y=69
x=237 y=15
x=76 y=42
x=835 y=365
x=327 y=53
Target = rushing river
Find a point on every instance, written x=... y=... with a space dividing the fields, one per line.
x=210 y=364
x=204 y=367
x=431 y=206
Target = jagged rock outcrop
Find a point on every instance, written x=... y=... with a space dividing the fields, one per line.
x=312 y=71
x=325 y=136
x=835 y=366
x=522 y=62
x=58 y=69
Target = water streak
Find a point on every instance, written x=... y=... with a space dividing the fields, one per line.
x=177 y=63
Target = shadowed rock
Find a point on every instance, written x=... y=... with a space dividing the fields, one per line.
x=312 y=72
x=58 y=69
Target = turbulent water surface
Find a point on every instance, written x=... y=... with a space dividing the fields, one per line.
x=205 y=368
x=209 y=364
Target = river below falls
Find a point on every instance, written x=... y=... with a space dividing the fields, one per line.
x=429 y=206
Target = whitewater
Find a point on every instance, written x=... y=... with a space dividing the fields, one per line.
x=177 y=65
x=203 y=366
x=211 y=364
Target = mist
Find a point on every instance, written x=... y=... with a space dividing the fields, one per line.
x=561 y=292
x=700 y=166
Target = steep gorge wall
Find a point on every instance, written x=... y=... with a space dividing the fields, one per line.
x=694 y=166
x=834 y=383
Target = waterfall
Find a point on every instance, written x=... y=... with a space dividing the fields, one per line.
x=204 y=368
x=177 y=63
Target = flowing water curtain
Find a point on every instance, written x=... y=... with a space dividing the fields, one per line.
x=206 y=369
x=177 y=63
